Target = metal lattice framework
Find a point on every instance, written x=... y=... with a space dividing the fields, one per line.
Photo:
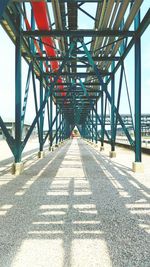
x=74 y=67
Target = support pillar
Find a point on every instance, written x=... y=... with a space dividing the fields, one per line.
x=96 y=121
x=112 y=153
x=51 y=119
x=102 y=120
x=92 y=126
x=60 y=127
x=41 y=152
x=83 y=131
x=137 y=165
x=63 y=127
x=17 y=167
x=56 y=126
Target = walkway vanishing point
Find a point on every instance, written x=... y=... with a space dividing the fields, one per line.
x=75 y=208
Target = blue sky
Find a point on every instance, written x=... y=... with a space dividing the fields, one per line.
x=7 y=73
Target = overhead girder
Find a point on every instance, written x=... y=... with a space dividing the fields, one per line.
x=77 y=74
x=107 y=58
x=79 y=33
x=67 y=1
x=72 y=25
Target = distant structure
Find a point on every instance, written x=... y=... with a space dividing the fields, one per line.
x=10 y=125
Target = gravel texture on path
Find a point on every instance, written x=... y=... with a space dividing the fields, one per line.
x=74 y=208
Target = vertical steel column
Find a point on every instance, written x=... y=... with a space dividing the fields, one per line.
x=18 y=94
x=60 y=127
x=112 y=113
x=137 y=93
x=56 y=124
x=51 y=119
x=96 y=121
x=41 y=102
x=112 y=152
x=66 y=122
x=92 y=125
x=66 y=129
x=83 y=130
x=63 y=127
x=102 y=119
x=33 y=28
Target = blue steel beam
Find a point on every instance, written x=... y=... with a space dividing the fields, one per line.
x=78 y=33
x=140 y=30
x=137 y=93
x=88 y=131
x=92 y=114
x=79 y=59
x=96 y=121
x=18 y=94
x=9 y=139
x=92 y=107
x=51 y=119
x=36 y=103
x=102 y=118
x=93 y=126
x=48 y=93
x=3 y=5
x=49 y=133
x=57 y=111
x=41 y=101
x=107 y=93
x=48 y=115
x=58 y=131
x=130 y=108
x=112 y=111
x=86 y=13
x=119 y=97
x=26 y=95
x=77 y=74
x=59 y=136
x=68 y=1
x=62 y=127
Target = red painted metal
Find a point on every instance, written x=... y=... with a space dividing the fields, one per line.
x=28 y=26
x=41 y=18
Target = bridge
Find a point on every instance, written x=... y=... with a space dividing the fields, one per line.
x=55 y=54
x=75 y=53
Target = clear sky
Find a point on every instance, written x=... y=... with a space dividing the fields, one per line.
x=7 y=72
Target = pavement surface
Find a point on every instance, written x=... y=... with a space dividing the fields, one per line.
x=74 y=208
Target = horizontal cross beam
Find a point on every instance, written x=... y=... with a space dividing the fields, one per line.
x=86 y=84
x=78 y=74
x=76 y=92
x=78 y=33
x=64 y=1
x=96 y=58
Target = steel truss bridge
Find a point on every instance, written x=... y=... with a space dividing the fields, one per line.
x=75 y=67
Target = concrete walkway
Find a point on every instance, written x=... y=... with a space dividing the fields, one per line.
x=74 y=208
